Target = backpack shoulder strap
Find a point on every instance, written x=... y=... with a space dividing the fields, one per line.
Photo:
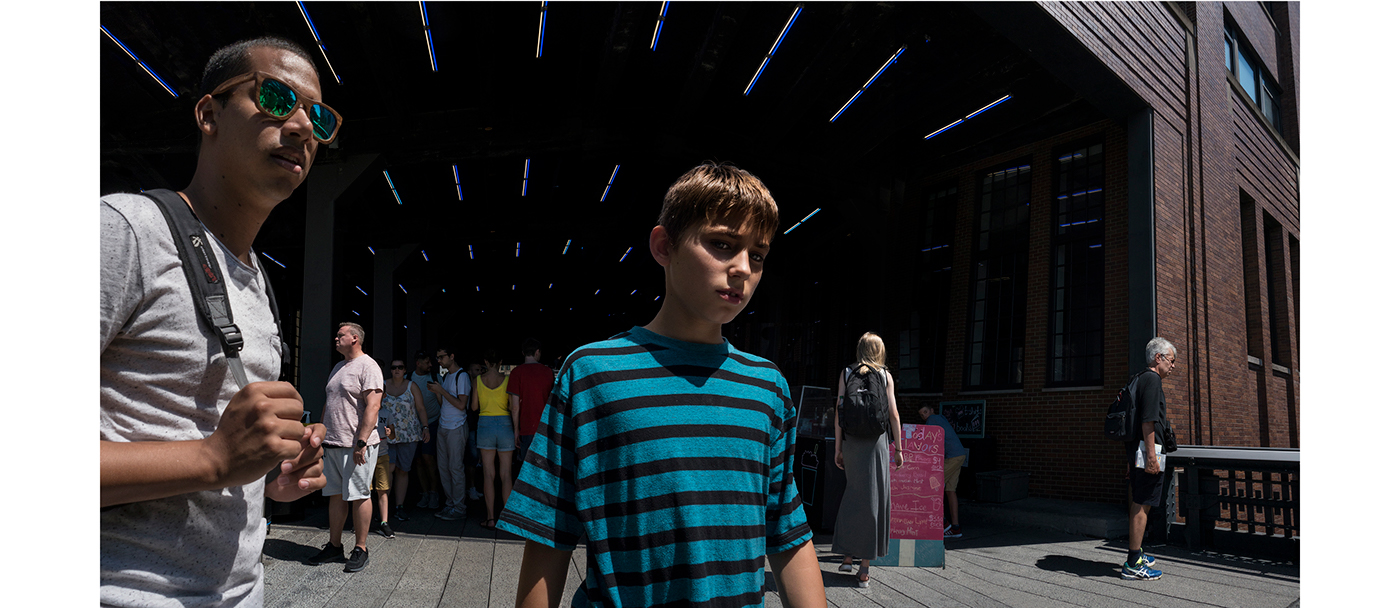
x=203 y=275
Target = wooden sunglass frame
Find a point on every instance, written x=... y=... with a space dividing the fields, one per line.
x=301 y=100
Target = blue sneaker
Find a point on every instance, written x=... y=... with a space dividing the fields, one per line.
x=1148 y=561
x=1140 y=571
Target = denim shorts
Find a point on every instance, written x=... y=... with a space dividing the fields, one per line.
x=495 y=433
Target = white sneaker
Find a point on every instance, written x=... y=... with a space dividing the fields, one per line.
x=475 y=495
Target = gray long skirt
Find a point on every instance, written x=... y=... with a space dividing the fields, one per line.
x=863 y=521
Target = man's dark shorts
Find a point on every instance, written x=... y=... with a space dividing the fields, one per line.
x=429 y=448
x=1146 y=488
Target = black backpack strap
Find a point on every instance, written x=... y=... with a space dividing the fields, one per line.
x=202 y=272
x=276 y=315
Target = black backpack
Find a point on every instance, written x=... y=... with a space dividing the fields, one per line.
x=1122 y=414
x=864 y=410
x=207 y=282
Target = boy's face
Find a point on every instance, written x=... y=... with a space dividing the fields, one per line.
x=714 y=269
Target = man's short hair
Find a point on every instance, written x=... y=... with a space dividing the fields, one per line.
x=1158 y=346
x=448 y=350
x=711 y=192
x=233 y=60
x=355 y=329
x=421 y=356
x=531 y=345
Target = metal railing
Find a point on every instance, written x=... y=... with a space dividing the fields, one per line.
x=1236 y=499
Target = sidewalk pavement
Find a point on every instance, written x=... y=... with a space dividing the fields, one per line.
x=999 y=562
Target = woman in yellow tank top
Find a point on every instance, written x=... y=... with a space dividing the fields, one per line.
x=495 y=432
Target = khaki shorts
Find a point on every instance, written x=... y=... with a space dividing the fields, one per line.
x=381 y=473
x=952 y=467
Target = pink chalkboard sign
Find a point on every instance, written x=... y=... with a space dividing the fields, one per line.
x=916 y=500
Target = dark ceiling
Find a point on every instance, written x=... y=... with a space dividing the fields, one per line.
x=598 y=98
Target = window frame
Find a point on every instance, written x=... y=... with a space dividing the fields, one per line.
x=1007 y=244
x=1260 y=83
x=927 y=330
x=1078 y=238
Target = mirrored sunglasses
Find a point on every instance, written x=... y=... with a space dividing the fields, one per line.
x=279 y=100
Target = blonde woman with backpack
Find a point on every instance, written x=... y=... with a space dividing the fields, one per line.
x=865 y=448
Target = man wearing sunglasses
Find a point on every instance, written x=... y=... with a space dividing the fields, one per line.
x=185 y=451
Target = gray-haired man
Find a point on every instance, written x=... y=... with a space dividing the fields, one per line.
x=1146 y=479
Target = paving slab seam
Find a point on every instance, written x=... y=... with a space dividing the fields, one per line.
x=904 y=574
x=948 y=576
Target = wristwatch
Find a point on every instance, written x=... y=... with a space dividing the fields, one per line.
x=359 y=443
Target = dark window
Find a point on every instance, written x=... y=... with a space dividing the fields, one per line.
x=1297 y=295
x=922 y=347
x=1248 y=74
x=1249 y=246
x=1246 y=67
x=1268 y=103
x=997 y=332
x=1075 y=347
x=1230 y=49
x=1278 y=300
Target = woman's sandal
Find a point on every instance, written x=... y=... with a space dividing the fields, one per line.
x=490 y=524
x=863 y=579
x=846 y=568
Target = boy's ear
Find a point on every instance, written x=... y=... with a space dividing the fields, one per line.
x=660 y=244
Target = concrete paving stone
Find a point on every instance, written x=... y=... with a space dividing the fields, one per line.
x=439 y=563
x=313 y=590
x=1101 y=586
x=578 y=568
x=1102 y=580
x=469 y=584
x=952 y=584
x=426 y=575
x=284 y=555
x=926 y=586
x=505 y=572
x=1268 y=579
x=371 y=587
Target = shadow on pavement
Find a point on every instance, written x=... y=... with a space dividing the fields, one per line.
x=288 y=551
x=1166 y=554
x=1077 y=566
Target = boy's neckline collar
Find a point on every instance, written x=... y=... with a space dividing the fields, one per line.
x=722 y=346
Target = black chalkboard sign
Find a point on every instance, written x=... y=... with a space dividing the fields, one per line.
x=968 y=418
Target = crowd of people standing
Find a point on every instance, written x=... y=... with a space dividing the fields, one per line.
x=446 y=420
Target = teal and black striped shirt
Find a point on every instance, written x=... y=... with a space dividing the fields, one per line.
x=672 y=461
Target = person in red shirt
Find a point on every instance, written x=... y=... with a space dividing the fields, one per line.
x=528 y=387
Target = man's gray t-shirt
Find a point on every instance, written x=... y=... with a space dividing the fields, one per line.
x=164 y=378
x=430 y=399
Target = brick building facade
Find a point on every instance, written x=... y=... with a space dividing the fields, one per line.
x=1196 y=240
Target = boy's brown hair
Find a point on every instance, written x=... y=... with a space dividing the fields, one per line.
x=711 y=192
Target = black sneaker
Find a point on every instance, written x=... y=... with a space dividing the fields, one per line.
x=382 y=528
x=400 y=513
x=358 y=558
x=329 y=553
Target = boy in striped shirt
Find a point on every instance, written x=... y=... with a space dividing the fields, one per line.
x=667 y=451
